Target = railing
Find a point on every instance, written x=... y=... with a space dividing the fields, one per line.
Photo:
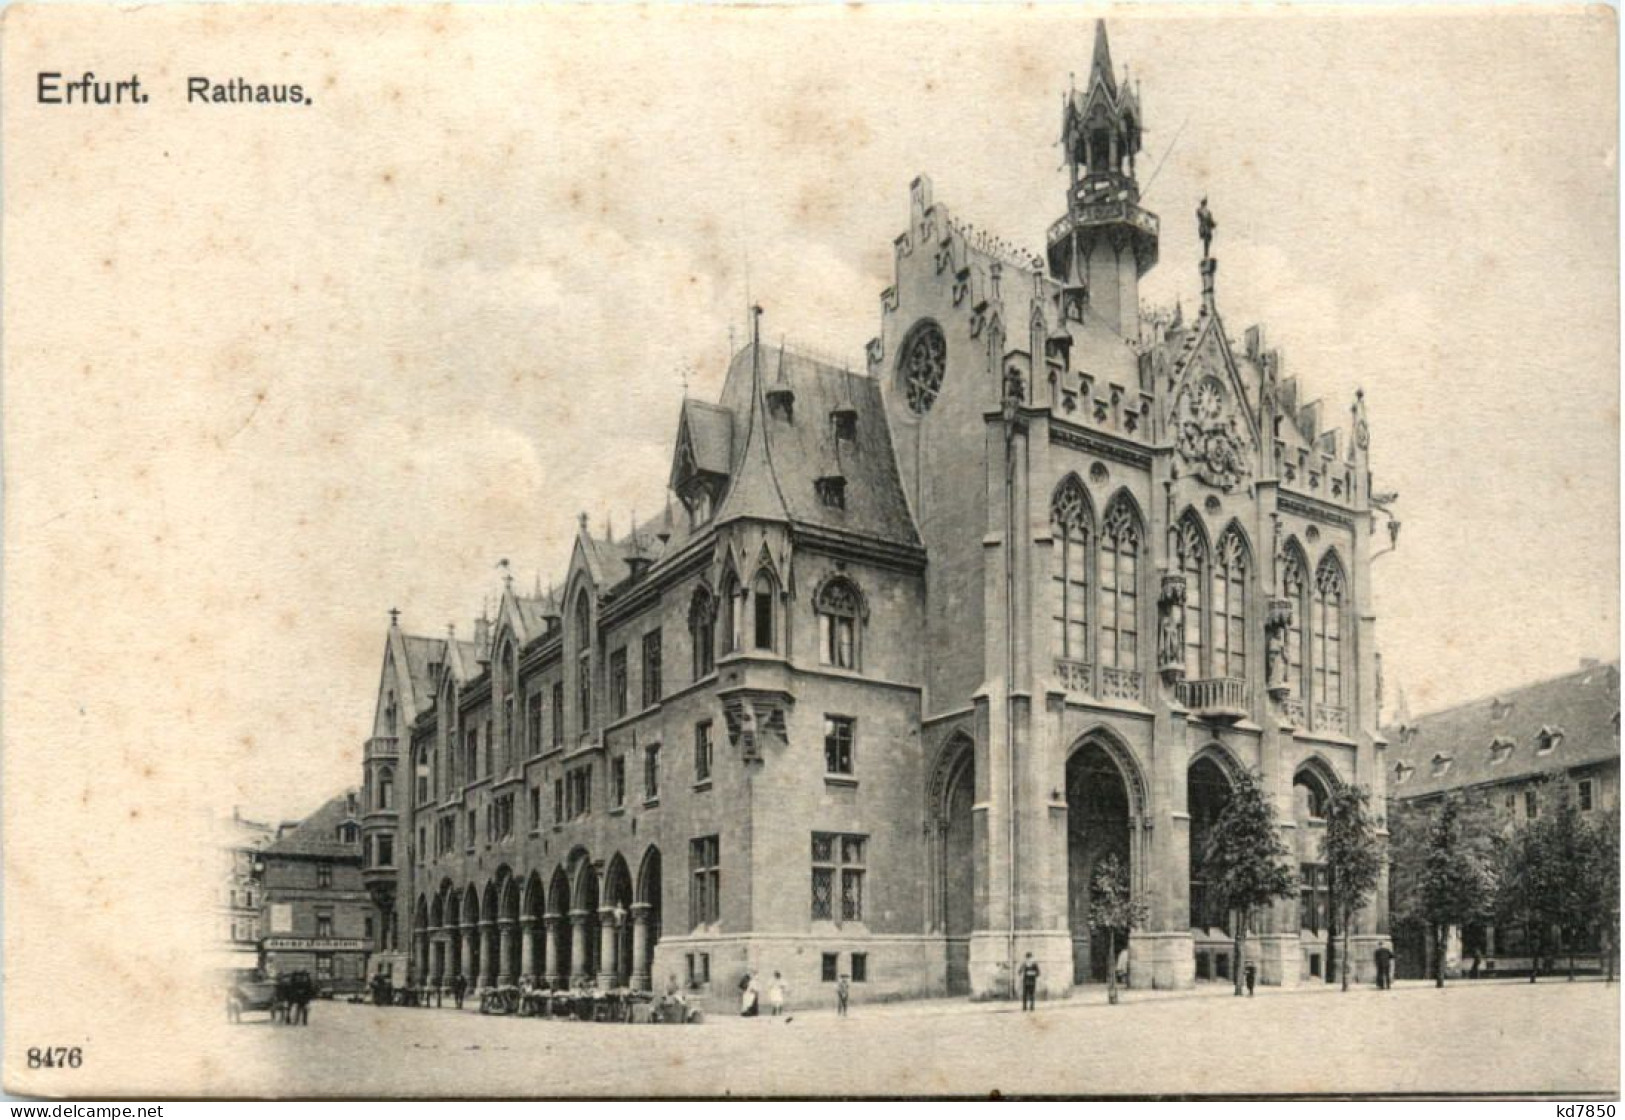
x=380 y=746
x=1215 y=696
x=1077 y=676
x=1330 y=717
x=1109 y=210
x=1119 y=684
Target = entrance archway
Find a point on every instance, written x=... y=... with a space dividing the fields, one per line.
x=1098 y=824
x=1207 y=792
x=646 y=916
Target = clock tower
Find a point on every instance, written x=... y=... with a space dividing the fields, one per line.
x=1106 y=241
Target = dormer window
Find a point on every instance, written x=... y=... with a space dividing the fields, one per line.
x=1501 y=749
x=1548 y=739
x=1500 y=709
x=781 y=404
x=697 y=499
x=843 y=423
x=1402 y=773
x=831 y=491
x=1442 y=763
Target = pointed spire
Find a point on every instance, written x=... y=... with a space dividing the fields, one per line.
x=1101 y=67
x=394 y=618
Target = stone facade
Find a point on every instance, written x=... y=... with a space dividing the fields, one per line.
x=318 y=916
x=1023 y=593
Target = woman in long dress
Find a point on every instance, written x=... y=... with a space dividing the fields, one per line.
x=750 y=996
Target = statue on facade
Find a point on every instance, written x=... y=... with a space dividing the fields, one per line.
x=1171 y=627
x=1205 y=225
x=1277 y=672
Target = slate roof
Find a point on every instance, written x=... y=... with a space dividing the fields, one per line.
x=1583 y=705
x=317 y=834
x=778 y=461
x=420 y=654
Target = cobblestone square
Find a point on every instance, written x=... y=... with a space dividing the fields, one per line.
x=1500 y=1038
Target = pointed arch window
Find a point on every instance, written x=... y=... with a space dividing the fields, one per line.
x=702 y=632
x=1119 y=588
x=1295 y=586
x=1193 y=564
x=1326 y=632
x=1069 y=579
x=763 y=622
x=422 y=774
x=1229 y=606
x=583 y=643
x=386 y=788
x=838 y=607
x=730 y=613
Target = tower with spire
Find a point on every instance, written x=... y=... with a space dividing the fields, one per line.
x=1105 y=241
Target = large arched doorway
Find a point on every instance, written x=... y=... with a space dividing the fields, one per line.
x=1097 y=825
x=617 y=911
x=956 y=859
x=1207 y=792
x=584 y=947
x=1317 y=909
x=646 y=916
x=558 y=961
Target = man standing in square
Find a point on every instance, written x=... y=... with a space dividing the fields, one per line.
x=1029 y=983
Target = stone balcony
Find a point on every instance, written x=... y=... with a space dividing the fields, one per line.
x=1081 y=678
x=1216 y=698
x=380 y=746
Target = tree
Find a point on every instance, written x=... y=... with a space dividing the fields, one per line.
x=1246 y=860
x=1353 y=855
x=1456 y=884
x=1113 y=907
x=1602 y=894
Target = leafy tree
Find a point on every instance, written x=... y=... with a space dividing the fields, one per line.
x=1601 y=898
x=1353 y=855
x=1456 y=884
x=1112 y=907
x=1246 y=859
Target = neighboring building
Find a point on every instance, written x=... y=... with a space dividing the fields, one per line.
x=1517 y=753
x=924 y=643
x=238 y=843
x=318 y=916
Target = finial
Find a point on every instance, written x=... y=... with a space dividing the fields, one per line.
x=507 y=575
x=451 y=631
x=394 y=617
x=581 y=518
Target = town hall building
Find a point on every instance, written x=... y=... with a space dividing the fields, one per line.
x=913 y=649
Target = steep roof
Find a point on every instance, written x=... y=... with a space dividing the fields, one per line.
x=421 y=653
x=777 y=468
x=1582 y=707
x=317 y=834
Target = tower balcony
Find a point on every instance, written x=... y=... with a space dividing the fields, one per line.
x=1217 y=698
x=1093 y=215
x=380 y=746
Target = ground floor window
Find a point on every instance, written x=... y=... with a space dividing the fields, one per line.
x=838 y=863
x=699 y=969
x=860 y=968
x=1312 y=897
x=324 y=966
x=705 y=883
x=831 y=967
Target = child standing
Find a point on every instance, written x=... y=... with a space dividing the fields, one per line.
x=775 y=995
x=843 y=990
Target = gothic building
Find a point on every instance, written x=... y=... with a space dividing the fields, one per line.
x=914 y=649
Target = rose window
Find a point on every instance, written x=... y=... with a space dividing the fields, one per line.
x=924 y=361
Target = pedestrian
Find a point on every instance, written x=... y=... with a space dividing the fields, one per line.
x=459 y=988
x=750 y=997
x=1385 y=967
x=1029 y=984
x=843 y=992
x=1252 y=976
x=1478 y=961
x=1122 y=967
x=775 y=995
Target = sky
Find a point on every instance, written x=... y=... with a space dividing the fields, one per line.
x=292 y=368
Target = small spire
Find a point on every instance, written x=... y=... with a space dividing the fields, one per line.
x=1101 y=67
x=581 y=518
x=451 y=631
x=394 y=618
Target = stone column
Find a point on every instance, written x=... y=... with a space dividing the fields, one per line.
x=490 y=953
x=607 y=971
x=527 y=946
x=505 y=974
x=640 y=946
x=553 y=944
x=465 y=939
x=437 y=966
x=578 y=946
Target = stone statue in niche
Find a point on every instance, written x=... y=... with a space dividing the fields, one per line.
x=1277 y=671
x=1171 y=628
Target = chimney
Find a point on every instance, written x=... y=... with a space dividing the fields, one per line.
x=482 y=638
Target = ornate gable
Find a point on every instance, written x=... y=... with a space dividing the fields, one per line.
x=1210 y=420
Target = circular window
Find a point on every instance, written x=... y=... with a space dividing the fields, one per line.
x=924 y=359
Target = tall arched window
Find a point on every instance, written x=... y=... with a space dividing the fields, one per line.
x=837 y=606
x=583 y=643
x=1326 y=635
x=762 y=595
x=730 y=613
x=1192 y=545
x=1119 y=587
x=386 y=788
x=1295 y=586
x=423 y=775
x=702 y=632
x=1069 y=579
x=1229 y=627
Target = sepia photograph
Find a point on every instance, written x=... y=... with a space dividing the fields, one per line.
x=942 y=551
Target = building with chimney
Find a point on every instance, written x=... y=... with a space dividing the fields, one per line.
x=915 y=647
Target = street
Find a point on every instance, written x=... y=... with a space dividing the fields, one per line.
x=1487 y=1038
